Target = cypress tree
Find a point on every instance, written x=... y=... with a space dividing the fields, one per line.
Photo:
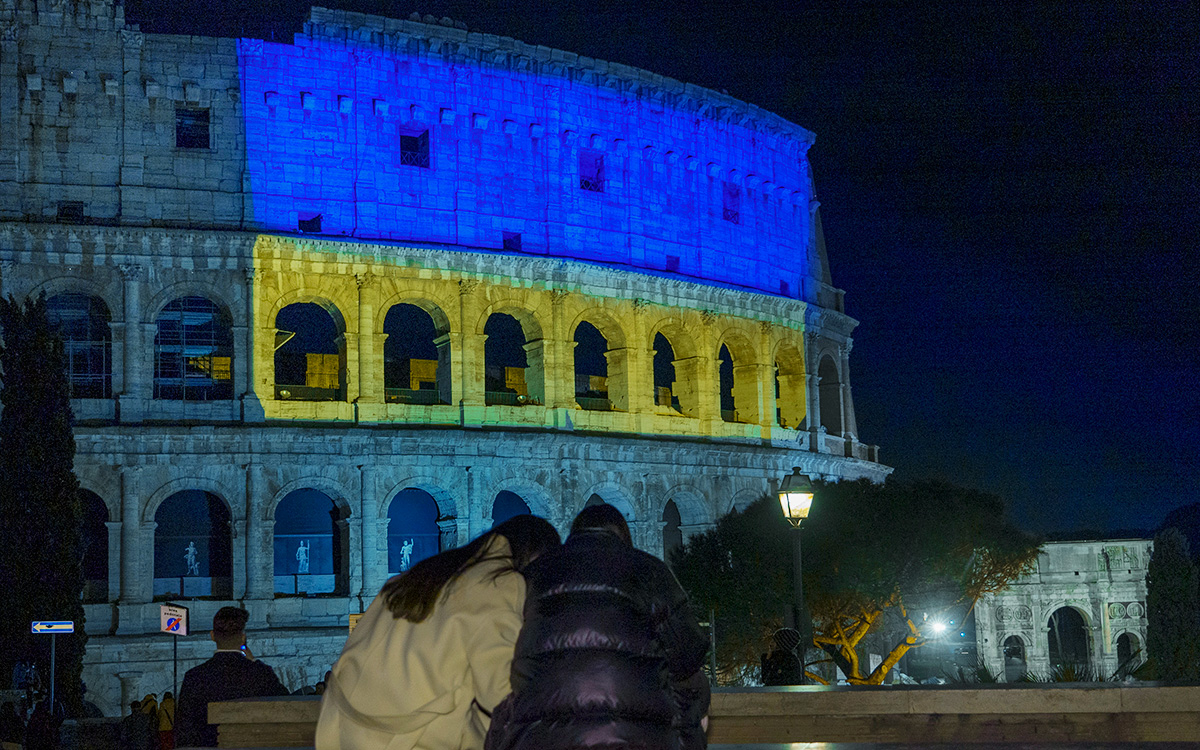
x=41 y=525
x=1172 y=609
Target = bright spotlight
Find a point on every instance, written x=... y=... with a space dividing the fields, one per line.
x=939 y=627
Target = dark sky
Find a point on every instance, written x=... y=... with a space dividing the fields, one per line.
x=1009 y=199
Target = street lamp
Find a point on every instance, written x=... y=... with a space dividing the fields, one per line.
x=796 y=497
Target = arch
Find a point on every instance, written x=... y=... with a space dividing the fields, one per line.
x=204 y=565
x=616 y=496
x=1129 y=648
x=533 y=494
x=604 y=321
x=746 y=497
x=691 y=503
x=1014 y=651
x=193 y=351
x=434 y=308
x=514 y=374
x=307 y=296
x=311 y=544
x=791 y=403
x=412 y=533
x=1068 y=636
x=530 y=319
x=75 y=285
x=830 y=389
x=310 y=364
x=96 y=516
x=672 y=535
x=590 y=366
x=167 y=489
x=84 y=320
x=416 y=357
x=192 y=288
x=329 y=487
x=445 y=499
x=665 y=394
x=506 y=505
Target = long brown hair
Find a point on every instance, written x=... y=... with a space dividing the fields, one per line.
x=413 y=594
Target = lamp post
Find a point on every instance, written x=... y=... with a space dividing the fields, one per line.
x=796 y=497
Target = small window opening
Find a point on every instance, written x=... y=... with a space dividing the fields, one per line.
x=191 y=128
x=591 y=171
x=672 y=262
x=785 y=289
x=512 y=242
x=731 y=203
x=414 y=150
x=311 y=226
x=70 y=211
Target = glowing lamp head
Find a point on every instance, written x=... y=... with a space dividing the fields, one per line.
x=939 y=627
x=796 y=497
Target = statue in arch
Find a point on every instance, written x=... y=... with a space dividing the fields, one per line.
x=302 y=557
x=189 y=556
x=406 y=554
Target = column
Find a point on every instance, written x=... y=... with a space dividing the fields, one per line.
x=639 y=367
x=260 y=558
x=374 y=564
x=812 y=387
x=133 y=577
x=244 y=356
x=848 y=422
x=239 y=563
x=114 y=560
x=468 y=374
x=370 y=352
x=559 y=373
x=447 y=533
x=748 y=392
x=449 y=385
x=130 y=688
x=134 y=386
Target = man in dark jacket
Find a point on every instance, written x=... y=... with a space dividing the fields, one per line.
x=610 y=655
x=230 y=674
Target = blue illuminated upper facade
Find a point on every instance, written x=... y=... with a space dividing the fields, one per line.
x=395 y=130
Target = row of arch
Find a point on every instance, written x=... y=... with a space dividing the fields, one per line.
x=193 y=540
x=194 y=360
x=1069 y=646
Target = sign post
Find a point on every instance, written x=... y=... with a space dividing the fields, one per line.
x=53 y=627
x=173 y=619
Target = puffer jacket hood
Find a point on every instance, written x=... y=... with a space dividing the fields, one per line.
x=609 y=654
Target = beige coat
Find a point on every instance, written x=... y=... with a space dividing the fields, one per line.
x=405 y=686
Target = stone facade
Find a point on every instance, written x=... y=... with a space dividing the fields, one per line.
x=137 y=171
x=1103 y=582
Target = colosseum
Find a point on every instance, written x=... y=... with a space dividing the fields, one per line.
x=335 y=304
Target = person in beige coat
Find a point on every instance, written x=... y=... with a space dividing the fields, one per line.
x=431 y=656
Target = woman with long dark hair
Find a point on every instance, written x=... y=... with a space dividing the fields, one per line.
x=430 y=658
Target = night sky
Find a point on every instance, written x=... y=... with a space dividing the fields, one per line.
x=1009 y=197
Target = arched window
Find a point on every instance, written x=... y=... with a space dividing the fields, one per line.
x=790 y=402
x=831 y=396
x=508 y=378
x=193 y=352
x=1070 y=644
x=192 y=551
x=1129 y=654
x=416 y=369
x=664 y=374
x=725 y=378
x=310 y=354
x=95 y=547
x=87 y=339
x=412 y=532
x=507 y=505
x=591 y=368
x=311 y=545
x=672 y=535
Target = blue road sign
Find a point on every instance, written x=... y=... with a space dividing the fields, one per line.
x=53 y=626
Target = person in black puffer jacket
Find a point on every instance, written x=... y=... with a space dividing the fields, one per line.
x=609 y=656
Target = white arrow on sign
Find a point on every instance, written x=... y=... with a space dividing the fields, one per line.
x=54 y=626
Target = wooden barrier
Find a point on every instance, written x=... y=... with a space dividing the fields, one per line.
x=979 y=714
